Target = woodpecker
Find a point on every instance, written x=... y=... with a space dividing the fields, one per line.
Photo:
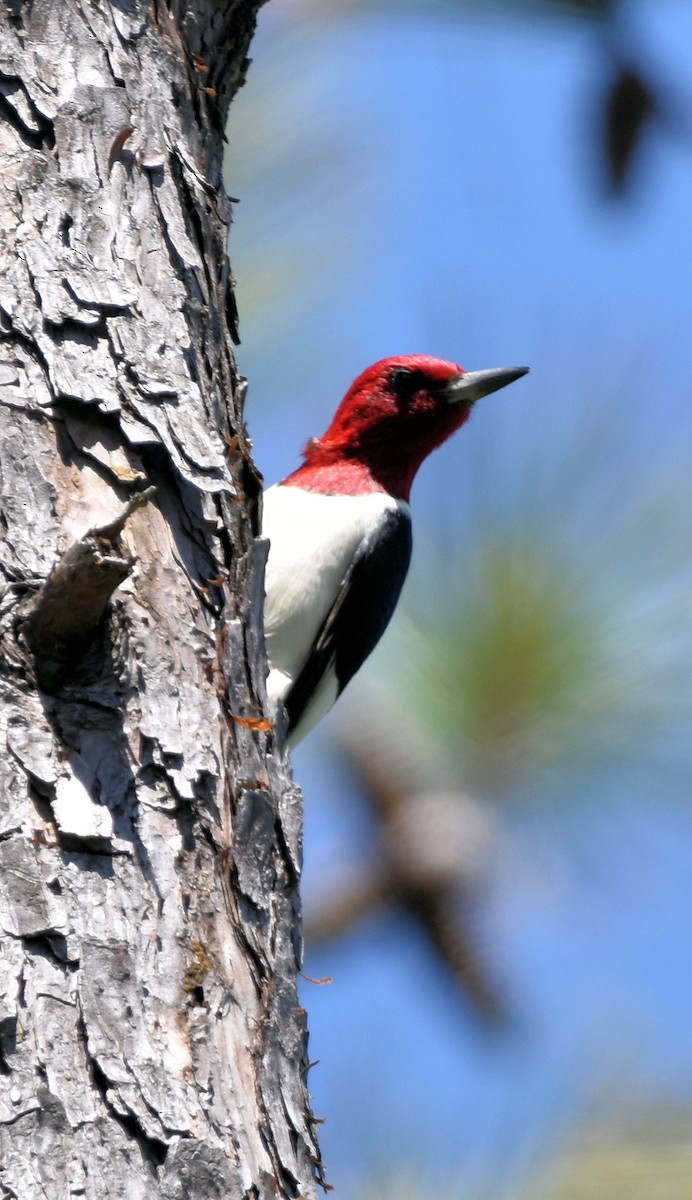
x=339 y=526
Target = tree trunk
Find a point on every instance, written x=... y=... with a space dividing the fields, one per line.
x=151 y=1041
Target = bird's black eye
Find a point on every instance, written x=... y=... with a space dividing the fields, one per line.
x=405 y=382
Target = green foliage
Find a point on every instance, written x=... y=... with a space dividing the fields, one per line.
x=534 y=659
x=516 y=665
x=650 y=1159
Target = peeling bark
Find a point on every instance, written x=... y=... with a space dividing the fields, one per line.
x=151 y=1041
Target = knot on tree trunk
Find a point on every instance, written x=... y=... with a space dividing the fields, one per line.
x=70 y=605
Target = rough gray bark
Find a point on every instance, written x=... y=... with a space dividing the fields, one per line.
x=151 y=1041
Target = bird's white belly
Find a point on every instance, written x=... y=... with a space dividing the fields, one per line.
x=313 y=541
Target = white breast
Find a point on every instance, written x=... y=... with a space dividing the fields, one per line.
x=313 y=540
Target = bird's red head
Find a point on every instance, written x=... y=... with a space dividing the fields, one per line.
x=390 y=419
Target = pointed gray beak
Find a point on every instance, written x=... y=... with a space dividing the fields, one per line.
x=470 y=386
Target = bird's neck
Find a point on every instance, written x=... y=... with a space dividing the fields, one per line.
x=354 y=458
x=352 y=477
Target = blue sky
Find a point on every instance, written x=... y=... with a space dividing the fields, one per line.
x=426 y=184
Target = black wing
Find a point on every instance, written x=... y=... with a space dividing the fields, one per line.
x=361 y=612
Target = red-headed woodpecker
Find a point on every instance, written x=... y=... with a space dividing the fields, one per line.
x=340 y=526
